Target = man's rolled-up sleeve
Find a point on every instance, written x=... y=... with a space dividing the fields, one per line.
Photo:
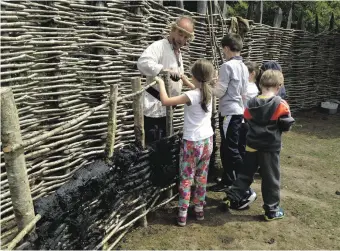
x=148 y=62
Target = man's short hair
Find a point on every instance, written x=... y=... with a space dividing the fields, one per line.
x=233 y=41
x=178 y=20
x=271 y=78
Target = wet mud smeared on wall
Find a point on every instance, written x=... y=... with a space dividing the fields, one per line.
x=78 y=214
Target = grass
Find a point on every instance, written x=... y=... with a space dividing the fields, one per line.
x=310 y=167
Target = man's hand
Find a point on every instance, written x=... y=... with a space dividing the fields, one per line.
x=175 y=76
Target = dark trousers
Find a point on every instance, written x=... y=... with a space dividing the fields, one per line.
x=243 y=139
x=229 y=150
x=269 y=163
x=155 y=129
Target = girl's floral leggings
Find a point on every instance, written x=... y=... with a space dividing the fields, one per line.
x=194 y=164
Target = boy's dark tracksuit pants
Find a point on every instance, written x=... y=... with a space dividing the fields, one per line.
x=269 y=163
x=231 y=158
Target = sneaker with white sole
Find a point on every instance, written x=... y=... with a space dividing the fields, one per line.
x=249 y=198
x=269 y=216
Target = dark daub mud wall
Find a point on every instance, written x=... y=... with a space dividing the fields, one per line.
x=80 y=213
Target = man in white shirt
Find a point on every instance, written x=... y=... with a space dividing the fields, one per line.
x=160 y=57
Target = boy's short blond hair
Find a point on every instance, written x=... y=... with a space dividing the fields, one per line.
x=271 y=78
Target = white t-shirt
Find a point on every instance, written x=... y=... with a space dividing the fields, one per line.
x=197 y=122
x=252 y=91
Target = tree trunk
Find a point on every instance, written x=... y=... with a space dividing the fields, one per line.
x=316 y=24
x=180 y=4
x=331 y=22
x=290 y=15
x=278 y=18
x=300 y=24
x=250 y=11
x=202 y=7
x=259 y=12
x=15 y=160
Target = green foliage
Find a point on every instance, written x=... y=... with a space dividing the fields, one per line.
x=307 y=9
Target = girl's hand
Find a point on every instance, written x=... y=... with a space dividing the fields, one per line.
x=159 y=80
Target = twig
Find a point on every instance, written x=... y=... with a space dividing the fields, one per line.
x=23 y=232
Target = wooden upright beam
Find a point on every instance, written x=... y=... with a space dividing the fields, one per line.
x=112 y=122
x=169 y=110
x=138 y=112
x=15 y=160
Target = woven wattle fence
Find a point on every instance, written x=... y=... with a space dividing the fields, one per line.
x=60 y=58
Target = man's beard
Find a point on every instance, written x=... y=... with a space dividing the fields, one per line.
x=175 y=44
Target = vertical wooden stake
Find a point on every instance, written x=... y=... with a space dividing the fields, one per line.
x=143 y=222
x=169 y=110
x=169 y=119
x=138 y=115
x=15 y=160
x=112 y=122
x=138 y=112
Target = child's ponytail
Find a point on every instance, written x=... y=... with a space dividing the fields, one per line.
x=206 y=96
x=203 y=71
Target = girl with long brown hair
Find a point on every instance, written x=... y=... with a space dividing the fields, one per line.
x=197 y=144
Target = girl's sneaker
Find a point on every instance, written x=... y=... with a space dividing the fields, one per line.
x=182 y=221
x=269 y=216
x=199 y=212
x=182 y=217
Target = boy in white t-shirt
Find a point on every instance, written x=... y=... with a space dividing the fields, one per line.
x=197 y=144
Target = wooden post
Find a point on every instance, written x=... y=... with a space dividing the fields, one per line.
x=169 y=119
x=138 y=115
x=169 y=110
x=15 y=160
x=112 y=122
x=138 y=112
x=278 y=18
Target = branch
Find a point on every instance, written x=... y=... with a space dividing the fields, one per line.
x=23 y=232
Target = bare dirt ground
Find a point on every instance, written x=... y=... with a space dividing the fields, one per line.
x=310 y=167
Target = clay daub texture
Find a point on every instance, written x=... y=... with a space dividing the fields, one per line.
x=78 y=214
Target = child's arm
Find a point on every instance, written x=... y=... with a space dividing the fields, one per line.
x=166 y=101
x=223 y=80
x=187 y=82
x=283 y=116
x=285 y=122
